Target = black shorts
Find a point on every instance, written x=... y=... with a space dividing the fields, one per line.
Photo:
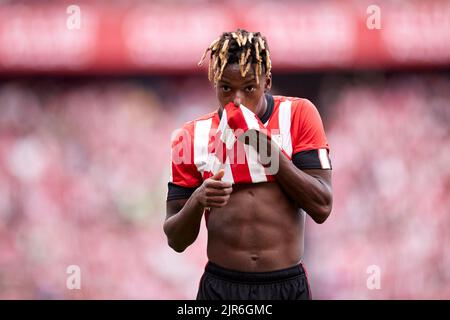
x=218 y=283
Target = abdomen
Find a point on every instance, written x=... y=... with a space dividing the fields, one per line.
x=259 y=229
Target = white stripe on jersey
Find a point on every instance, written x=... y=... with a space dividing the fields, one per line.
x=284 y=121
x=227 y=135
x=256 y=170
x=171 y=164
x=249 y=117
x=324 y=160
x=228 y=176
x=213 y=164
x=201 y=140
x=173 y=137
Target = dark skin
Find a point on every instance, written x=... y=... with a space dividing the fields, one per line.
x=252 y=227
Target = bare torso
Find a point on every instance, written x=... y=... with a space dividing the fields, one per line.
x=259 y=229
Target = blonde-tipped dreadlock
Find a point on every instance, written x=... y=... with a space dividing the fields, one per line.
x=242 y=47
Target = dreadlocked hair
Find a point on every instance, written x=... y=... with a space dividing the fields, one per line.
x=242 y=47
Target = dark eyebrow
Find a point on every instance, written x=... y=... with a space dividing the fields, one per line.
x=253 y=80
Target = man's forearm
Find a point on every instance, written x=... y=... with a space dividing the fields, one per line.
x=182 y=228
x=310 y=193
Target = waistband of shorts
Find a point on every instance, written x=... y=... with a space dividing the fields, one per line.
x=240 y=276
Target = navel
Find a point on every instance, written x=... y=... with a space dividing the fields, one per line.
x=254 y=257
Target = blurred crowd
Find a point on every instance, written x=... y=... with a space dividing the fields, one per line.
x=390 y=145
x=83 y=181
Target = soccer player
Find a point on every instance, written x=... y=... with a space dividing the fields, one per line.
x=255 y=222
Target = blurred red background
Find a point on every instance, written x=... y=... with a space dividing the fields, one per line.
x=87 y=110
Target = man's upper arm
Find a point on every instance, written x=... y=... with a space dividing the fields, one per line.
x=175 y=192
x=310 y=145
x=324 y=176
x=183 y=171
x=184 y=178
x=174 y=206
x=176 y=198
x=311 y=149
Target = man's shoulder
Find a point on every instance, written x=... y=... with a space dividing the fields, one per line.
x=189 y=125
x=205 y=116
x=296 y=102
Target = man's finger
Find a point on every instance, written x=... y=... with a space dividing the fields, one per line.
x=217 y=184
x=219 y=199
x=217 y=204
x=219 y=175
x=218 y=191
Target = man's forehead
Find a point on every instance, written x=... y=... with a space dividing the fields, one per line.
x=232 y=73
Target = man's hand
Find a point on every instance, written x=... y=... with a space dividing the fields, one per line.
x=214 y=193
x=261 y=142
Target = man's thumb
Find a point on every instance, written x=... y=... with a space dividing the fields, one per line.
x=219 y=175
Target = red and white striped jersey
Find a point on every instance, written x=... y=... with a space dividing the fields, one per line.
x=197 y=153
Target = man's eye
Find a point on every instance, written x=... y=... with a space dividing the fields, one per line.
x=226 y=89
x=250 y=89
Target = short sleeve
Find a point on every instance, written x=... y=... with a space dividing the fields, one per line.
x=310 y=145
x=184 y=173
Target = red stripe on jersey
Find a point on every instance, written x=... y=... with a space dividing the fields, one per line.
x=294 y=125
x=239 y=168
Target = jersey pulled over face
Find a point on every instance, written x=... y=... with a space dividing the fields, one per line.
x=232 y=87
x=294 y=123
